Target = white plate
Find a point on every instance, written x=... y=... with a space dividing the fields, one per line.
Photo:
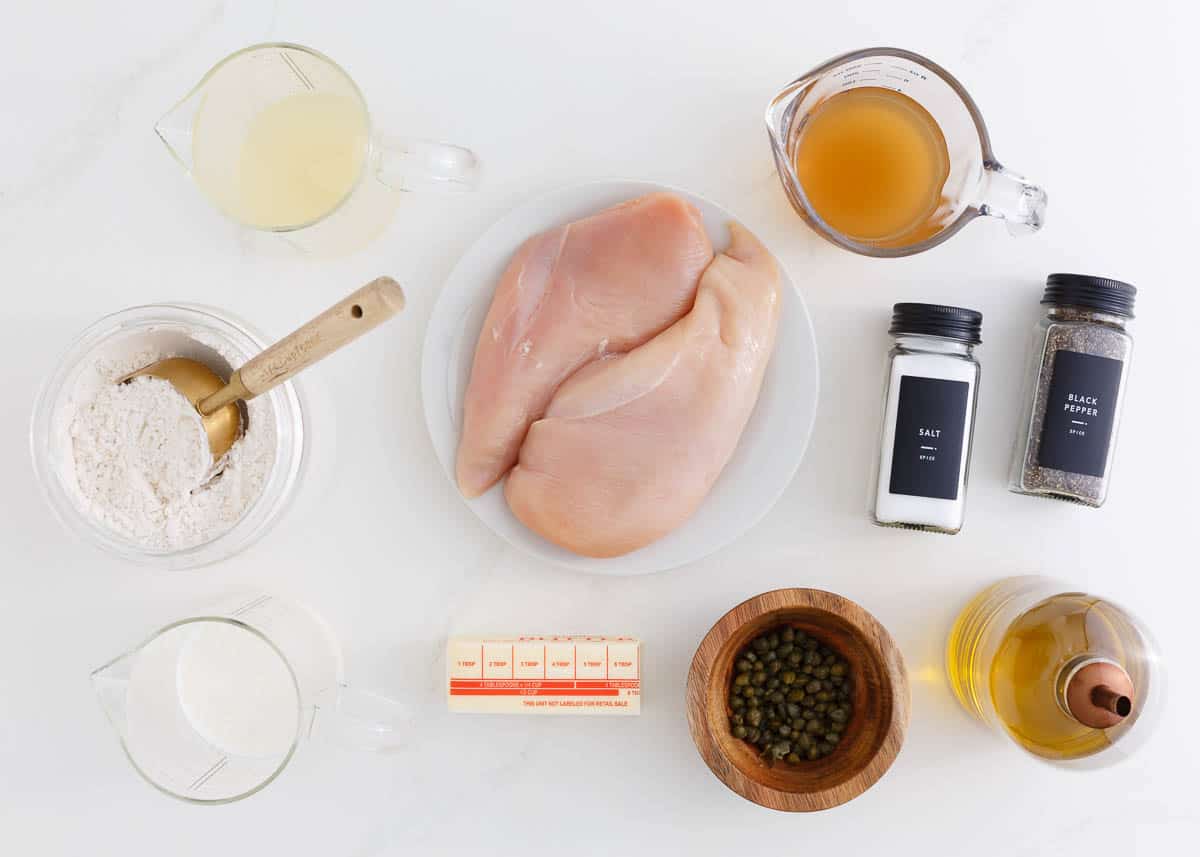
x=766 y=457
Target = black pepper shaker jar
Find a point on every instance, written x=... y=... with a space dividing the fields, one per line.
x=1075 y=388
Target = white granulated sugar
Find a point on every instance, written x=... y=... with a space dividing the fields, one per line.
x=138 y=456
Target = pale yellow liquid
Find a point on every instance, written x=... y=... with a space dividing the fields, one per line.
x=300 y=158
x=1012 y=672
x=873 y=164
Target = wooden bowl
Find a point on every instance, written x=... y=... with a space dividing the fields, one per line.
x=880 y=697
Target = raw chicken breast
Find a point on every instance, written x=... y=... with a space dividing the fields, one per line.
x=599 y=285
x=631 y=445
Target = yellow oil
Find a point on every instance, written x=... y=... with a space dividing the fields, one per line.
x=873 y=163
x=298 y=159
x=1007 y=653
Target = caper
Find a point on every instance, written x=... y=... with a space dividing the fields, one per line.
x=789 y=696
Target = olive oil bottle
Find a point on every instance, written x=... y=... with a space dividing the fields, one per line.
x=1067 y=676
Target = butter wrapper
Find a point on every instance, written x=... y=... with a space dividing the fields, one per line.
x=544 y=675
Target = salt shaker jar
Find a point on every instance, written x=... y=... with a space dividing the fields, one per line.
x=1075 y=387
x=928 y=418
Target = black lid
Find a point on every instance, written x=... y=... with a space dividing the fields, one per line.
x=950 y=322
x=1098 y=293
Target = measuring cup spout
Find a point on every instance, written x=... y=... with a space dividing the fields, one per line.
x=111 y=683
x=1013 y=199
x=175 y=127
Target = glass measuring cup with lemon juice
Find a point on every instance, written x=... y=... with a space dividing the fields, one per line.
x=300 y=157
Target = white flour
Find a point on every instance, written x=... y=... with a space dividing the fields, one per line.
x=137 y=455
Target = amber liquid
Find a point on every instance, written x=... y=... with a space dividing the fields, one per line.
x=1011 y=674
x=873 y=163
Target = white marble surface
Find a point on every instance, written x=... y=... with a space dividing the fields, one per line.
x=1093 y=99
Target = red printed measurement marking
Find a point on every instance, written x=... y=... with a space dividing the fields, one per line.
x=527 y=691
x=584 y=668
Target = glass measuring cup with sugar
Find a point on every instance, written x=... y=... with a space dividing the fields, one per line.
x=211 y=708
x=884 y=153
x=278 y=137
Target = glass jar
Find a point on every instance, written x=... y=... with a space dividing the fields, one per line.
x=1070 y=678
x=1074 y=390
x=211 y=333
x=928 y=418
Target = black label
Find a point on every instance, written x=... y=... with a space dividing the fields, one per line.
x=930 y=417
x=1080 y=410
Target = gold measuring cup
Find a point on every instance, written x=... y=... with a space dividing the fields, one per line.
x=216 y=399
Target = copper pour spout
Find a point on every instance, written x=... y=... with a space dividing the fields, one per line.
x=1098 y=693
x=1108 y=699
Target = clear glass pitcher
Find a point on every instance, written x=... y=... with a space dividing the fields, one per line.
x=976 y=183
x=279 y=138
x=211 y=708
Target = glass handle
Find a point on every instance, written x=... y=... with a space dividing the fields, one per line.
x=1013 y=199
x=408 y=164
x=360 y=719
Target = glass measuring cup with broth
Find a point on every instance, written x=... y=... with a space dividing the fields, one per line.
x=884 y=153
x=278 y=137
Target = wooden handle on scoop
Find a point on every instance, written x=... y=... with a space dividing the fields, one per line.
x=339 y=325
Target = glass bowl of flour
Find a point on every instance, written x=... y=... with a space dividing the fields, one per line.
x=127 y=466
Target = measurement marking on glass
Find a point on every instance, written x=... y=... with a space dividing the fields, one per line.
x=291 y=63
x=250 y=605
x=209 y=774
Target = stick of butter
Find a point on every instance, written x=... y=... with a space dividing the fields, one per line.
x=544 y=675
